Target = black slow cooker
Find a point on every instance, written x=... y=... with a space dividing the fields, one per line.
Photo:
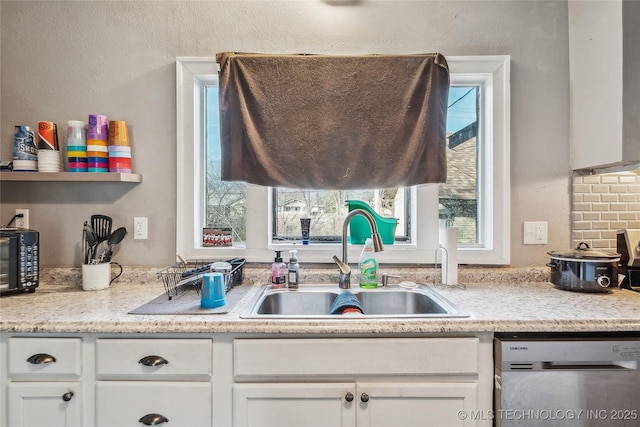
x=583 y=269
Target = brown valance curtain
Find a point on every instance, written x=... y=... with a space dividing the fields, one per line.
x=333 y=122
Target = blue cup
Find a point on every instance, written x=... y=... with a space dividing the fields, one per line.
x=213 y=293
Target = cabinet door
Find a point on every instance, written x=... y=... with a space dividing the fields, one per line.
x=126 y=403
x=294 y=405
x=419 y=405
x=44 y=404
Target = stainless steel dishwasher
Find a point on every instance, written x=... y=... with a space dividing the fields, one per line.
x=567 y=380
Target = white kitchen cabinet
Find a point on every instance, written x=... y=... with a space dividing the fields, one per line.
x=605 y=89
x=135 y=403
x=38 y=359
x=355 y=382
x=430 y=403
x=37 y=404
x=105 y=380
x=153 y=382
x=295 y=405
x=44 y=387
x=367 y=404
x=154 y=359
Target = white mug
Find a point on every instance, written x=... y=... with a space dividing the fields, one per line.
x=98 y=276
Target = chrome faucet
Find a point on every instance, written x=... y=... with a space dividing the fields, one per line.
x=343 y=265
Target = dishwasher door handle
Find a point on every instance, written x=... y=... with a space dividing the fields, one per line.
x=604 y=366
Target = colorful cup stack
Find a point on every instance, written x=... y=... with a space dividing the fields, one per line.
x=77 y=146
x=119 y=147
x=97 y=143
x=25 y=156
x=48 y=152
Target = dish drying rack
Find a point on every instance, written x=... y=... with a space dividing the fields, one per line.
x=184 y=276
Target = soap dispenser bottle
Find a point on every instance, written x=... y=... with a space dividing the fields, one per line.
x=278 y=272
x=294 y=270
x=368 y=266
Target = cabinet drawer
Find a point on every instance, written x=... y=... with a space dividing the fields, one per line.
x=154 y=359
x=355 y=357
x=124 y=403
x=45 y=358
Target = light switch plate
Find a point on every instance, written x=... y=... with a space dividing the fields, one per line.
x=535 y=233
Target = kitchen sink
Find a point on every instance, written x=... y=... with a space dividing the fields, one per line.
x=314 y=301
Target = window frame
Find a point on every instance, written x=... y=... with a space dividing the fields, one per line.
x=492 y=72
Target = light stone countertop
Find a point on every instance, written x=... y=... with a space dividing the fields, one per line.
x=60 y=305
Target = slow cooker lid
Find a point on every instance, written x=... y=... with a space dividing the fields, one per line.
x=583 y=251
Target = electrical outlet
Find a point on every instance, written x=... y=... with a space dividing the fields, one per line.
x=140 y=228
x=535 y=233
x=24 y=221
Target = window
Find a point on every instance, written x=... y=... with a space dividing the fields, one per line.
x=261 y=220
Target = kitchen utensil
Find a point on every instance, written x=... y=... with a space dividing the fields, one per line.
x=583 y=269
x=114 y=239
x=102 y=226
x=91 y=242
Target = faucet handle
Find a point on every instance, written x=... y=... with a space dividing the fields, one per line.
x=345 y=273
x=385 y=279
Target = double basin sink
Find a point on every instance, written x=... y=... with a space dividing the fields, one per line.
x=315 y=301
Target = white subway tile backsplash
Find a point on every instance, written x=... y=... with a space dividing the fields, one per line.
x=618 y=188
x=603 y=204
x=591 y=216
x=600 y=244
x=582 y=225
x=581 y=188
x=590 y=235
x=620 y=207
x=582 y=207
x=591 y=179
x=627 y=179
x=609 y=179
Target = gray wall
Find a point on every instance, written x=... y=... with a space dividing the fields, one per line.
x=64 y=60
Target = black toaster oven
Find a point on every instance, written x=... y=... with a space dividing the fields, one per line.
x=19 y=260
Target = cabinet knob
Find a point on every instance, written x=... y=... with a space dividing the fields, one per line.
x=67 y=396
x=348 y=397
x=153 y=419
x=364 y=397
x=41 y=359
x=153 y=361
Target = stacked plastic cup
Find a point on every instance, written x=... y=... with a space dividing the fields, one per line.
x=48 y=153
x=119 y=147
x=77 y=146
x=25 y=156
x=97 y=143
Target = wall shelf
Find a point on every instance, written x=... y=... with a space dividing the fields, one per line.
x=70 y=177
